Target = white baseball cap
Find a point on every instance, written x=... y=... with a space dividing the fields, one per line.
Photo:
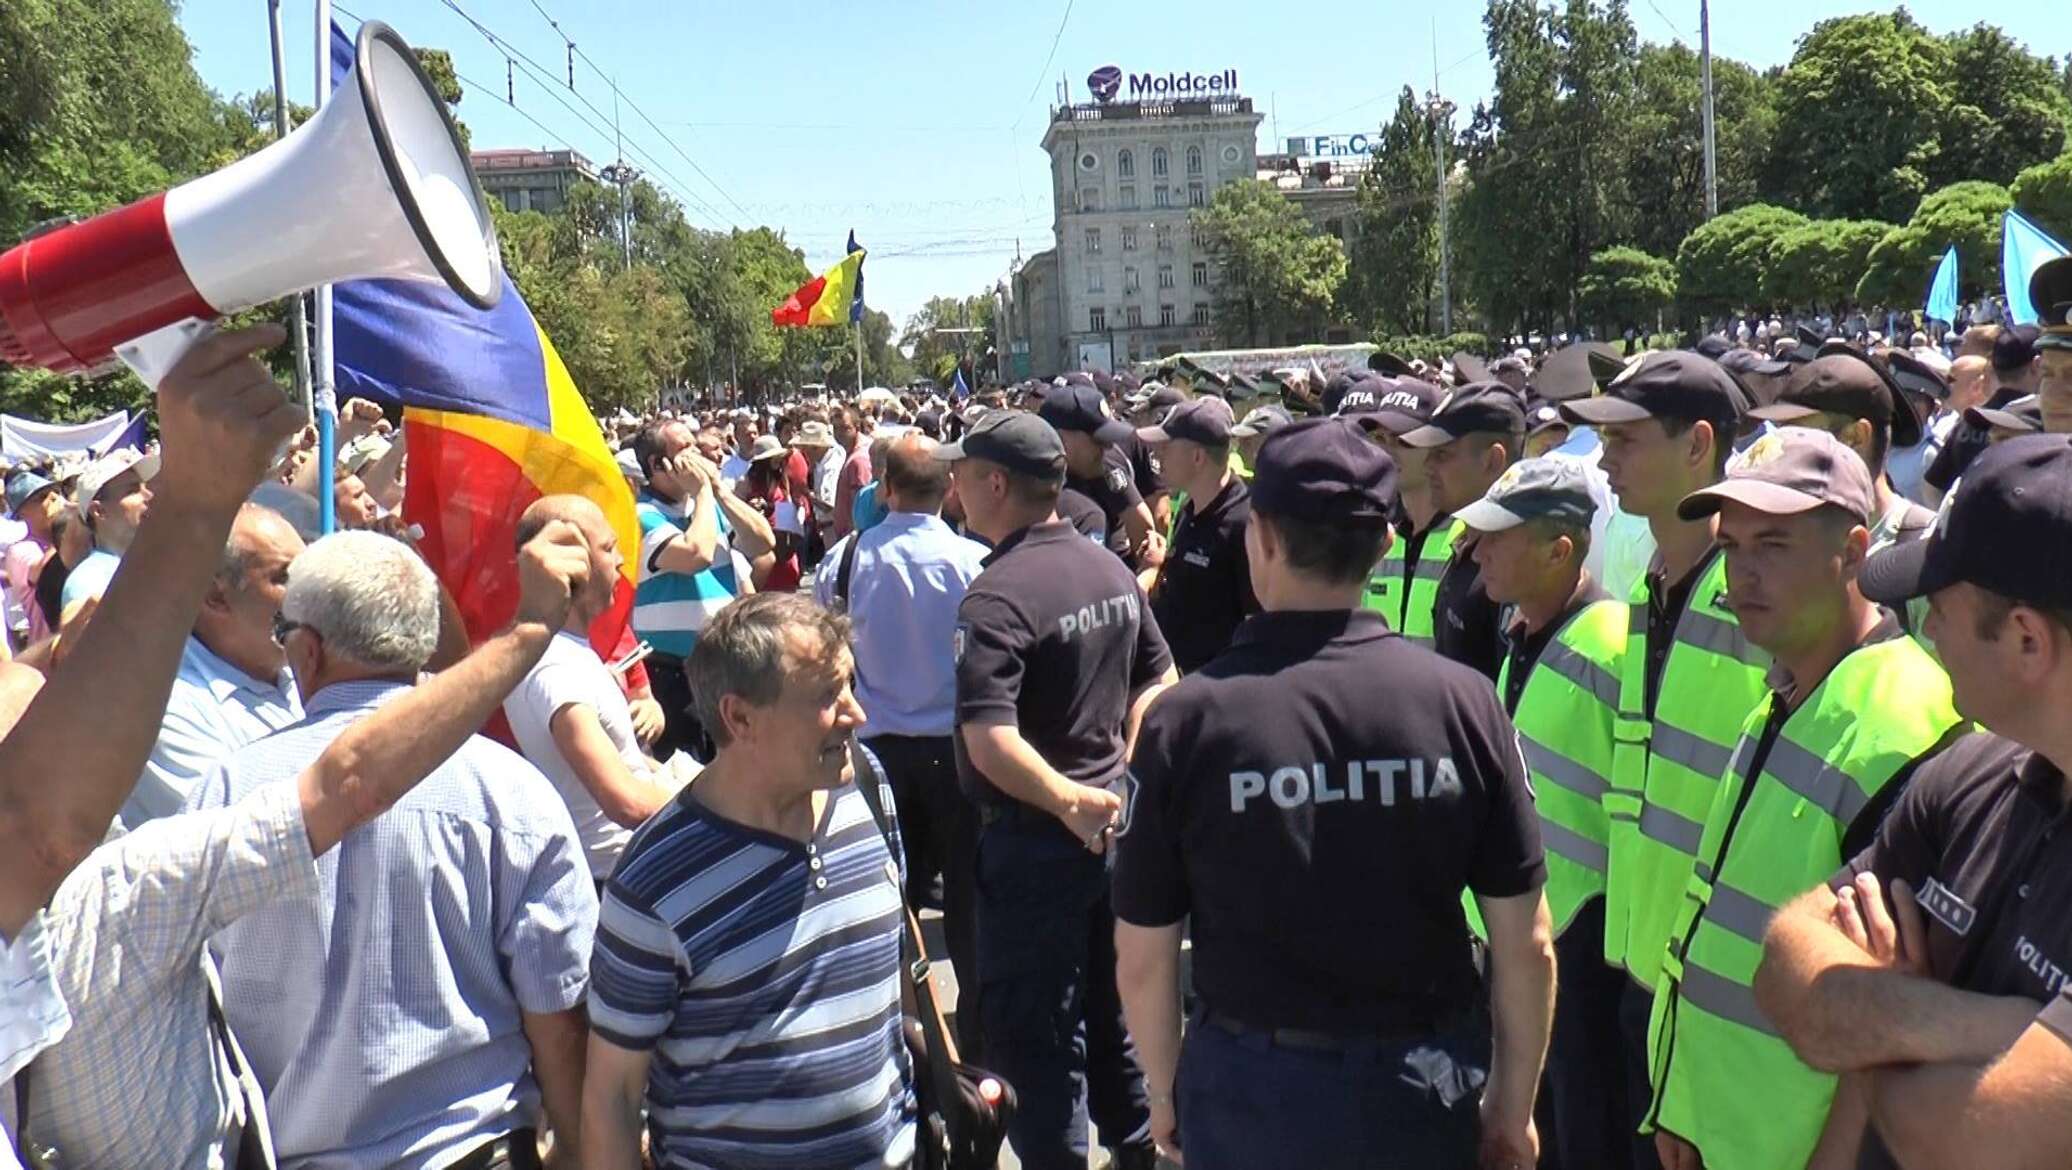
x=98 y=473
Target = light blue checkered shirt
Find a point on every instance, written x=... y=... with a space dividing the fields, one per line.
x=384 y=1020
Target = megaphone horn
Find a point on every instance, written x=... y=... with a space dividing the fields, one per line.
x=377 y=184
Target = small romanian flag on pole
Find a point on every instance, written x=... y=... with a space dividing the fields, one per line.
x=825 y=299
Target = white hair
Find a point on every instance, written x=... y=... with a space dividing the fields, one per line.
x=369 y=597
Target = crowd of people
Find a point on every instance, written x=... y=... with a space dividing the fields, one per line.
x=1577 y=759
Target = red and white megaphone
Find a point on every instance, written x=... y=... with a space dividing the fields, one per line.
x=375 y=185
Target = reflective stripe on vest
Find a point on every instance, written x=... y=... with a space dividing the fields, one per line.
x=1724 y=1079
x=1566 y=718
x=1406 y=594
x=1667 y=776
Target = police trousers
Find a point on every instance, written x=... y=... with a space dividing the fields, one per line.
x=1246 y=1102
x=1049 y=1009
x=1586 y=1121
x=938 y=825
x=681 y=729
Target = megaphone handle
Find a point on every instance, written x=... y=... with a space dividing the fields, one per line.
x=153 y=355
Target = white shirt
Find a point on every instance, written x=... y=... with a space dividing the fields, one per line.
x=731 y=471
x=214 y=709
x=570 y=672
x=32 y=1018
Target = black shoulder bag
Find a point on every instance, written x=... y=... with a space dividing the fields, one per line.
x=963 y=1108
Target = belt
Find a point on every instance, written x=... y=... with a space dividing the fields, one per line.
x=1302 y=1040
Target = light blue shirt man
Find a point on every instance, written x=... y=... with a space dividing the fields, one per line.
x=910 y=574
x=385 y=1021
x=214 y=709
x=89 y=578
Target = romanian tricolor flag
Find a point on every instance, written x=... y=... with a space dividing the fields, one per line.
x=493 y=421
x=826 y=299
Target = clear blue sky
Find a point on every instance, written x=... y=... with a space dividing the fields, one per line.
x=917 y=122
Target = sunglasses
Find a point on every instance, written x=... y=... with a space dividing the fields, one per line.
x=282 y=627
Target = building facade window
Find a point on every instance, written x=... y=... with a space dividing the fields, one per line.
x=1165 y=276
x=1132 y=317
x=1129 y=280
x=1334 y=227
x=1160 y=197
x=1093 y=239
x=1158 y=163
x=1125 y=164
x=1165 y=237
x=1129 y=239
x=1089 y=199
x=1194 y=160
x=1167 y=315
x=1201 y=314
x=1196 y=196
x=1201 y=274
x=1096 y=320
x=1093 y=278
x=1201 y=238
x=1127 y=198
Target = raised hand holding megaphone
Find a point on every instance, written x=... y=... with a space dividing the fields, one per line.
x=375 y=185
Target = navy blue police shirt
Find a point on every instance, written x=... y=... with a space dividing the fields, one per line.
x=1054 y=637
x=1115 y=492
x=1205 y=585
x=1320 y=837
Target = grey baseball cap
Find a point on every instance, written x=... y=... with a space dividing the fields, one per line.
x=1262 y=421
x=1014 y=439
x=1533 y=489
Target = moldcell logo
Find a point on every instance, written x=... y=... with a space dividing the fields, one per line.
x=1104 y=82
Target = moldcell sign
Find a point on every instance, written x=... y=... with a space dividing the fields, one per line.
x=1107 y=81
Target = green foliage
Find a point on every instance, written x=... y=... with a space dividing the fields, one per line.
x=935 y=354
x=2008 y=110
x=1965 y=214
x=2044 y=194
x=1664 y=195
x=1626 y=287
x=1818 y=264
x=1278 y=276
x=1393 y=271
x=1721 y=265
x=1423 y=347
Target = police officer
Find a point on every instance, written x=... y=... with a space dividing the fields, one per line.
x=1477 y=431
x=1564 y=645
x=1929 y=970
x=1852 y=709
x=1251 y=431
x=1204 y=589
x=1054 y=645
x=1853 y=395
x=1690 y=676
x=1320 y=842
x=1097 y=468
x=1404 y=585
x=2050 y=290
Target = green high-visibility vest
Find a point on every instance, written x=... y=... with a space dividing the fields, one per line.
x=1666 y=769
x=1724 y=1079
x=1565 y=719
x=1406 y=592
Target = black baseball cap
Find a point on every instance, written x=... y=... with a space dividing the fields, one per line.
x=1541 y=415
x=1916 y=376
x=1338 y=385
x=1673 y=384
x=1324 y=470
x=1714 y=346
x=1473 y=409
x=1205 y=420
x=2005 y=526
x=1163 y=398
x=1470 y=368
x=1077 y=406
x=2050 y=291
x=1382 y=361
x=1014 y=439
x=1848 y=382
x=2015 y=347
x=2023 y=414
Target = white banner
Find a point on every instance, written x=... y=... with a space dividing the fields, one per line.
x=22 y=438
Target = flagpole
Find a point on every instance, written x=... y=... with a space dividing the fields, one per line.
x=299 y=308
x=859 y=358
x=323 y=391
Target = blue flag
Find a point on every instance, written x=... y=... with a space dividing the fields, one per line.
x=2023 y=249
x=133 y=436
x=958 y=390
x=1942 y=291
x=856 y=305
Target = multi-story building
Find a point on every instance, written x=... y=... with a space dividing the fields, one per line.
x=1128 y=278
x=531 y=180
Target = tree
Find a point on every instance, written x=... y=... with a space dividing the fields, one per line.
x=2044 y=194
x=1277 y=274
x=1817 y=264
x=1967 y=215
x=1721 y=265
x=1859 y=109
x=1664 y=181
x=1626 y=288
x=1393 y=270
x=935 y=353
x=2008 y=110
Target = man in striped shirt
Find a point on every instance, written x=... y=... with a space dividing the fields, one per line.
x=746 y=982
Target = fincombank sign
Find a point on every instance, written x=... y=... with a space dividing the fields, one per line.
x=1109 y=82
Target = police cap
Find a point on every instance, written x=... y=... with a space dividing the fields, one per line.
x=1848 y=382
x=1338 y=385
x=1674 y=384
x=1014 y=439
x=2050 y=291
x=2006 y=526
x=1469 y=368
x=1395 y=405
x=1789 y=471
x=1324 y=471
x=1205 y=420
x=1077 y=406
x=1484 y=407
x=2024 y=414
x=1383 y=362
x=1916 y=376
x=1533 y=489
x=2015 y=346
